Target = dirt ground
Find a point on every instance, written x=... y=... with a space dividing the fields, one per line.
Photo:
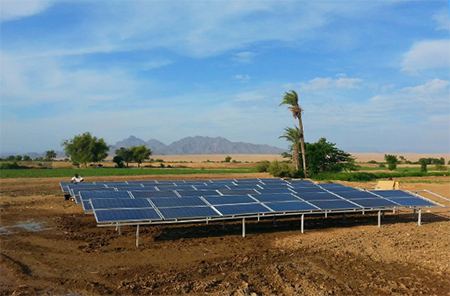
x=50 y=247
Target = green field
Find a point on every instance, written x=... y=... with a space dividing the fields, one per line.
x=101 y=172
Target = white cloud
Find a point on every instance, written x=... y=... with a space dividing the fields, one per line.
x=330 y=83
x=156 y=64
x=16 y=9
x=427 y=54
x=442 y=19
x=240 y=77
x=244 y=57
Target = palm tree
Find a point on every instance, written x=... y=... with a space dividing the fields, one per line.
x=293 y=135
x=291 y=98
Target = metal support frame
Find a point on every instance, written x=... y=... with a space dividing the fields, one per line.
x=419 y=219
x=302 y=223
x=243 y=227
x=137 y=235
x=379 y=219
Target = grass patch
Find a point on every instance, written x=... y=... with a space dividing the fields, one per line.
x=366 y=177
x=103 y=172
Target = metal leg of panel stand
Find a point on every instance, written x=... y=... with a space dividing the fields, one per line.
x=419 y=220
x=382 y=215
x=343 y=216
x=223 y=224
x=243 y=227
x=363 y=212
x=207 y=221
x=119 y=229
x=259 y=218
x=414 y=210
x=393 y=211
x=274 y=221
x=137 y=235
x=379 y=219
x=326 y=214
x=302 y=223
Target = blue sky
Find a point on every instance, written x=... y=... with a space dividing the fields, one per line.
x=372 y=76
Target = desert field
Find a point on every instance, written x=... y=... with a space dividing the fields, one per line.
x=50 y=247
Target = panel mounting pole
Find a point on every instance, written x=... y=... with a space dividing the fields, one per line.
x=379 y=219
x=243 y=227
x=419 y=220
x=302 y=223
x=137 y=235
x=326 y=214
x=223 y=224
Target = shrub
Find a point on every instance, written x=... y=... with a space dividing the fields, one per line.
x=372 y=161
x=280 y=170
x=263 y=166
x=381 y=165
x=440 y=167
x=228 y=159
x=9 y=166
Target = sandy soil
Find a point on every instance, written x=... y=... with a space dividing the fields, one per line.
x=50 y=247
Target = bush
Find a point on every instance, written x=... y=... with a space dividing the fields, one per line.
x=381 y=165
x=372 y=161
x=263 y=166
x=440 y=167
x=280 y=170
x=11 y=166
x=228 y=159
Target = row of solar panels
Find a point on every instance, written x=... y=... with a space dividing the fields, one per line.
x=248 y=197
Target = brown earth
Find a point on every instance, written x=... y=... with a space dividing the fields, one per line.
x=64 y=252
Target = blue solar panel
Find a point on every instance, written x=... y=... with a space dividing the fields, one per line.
x=111 y=184
x=411 y=201
x=334 y=204
x=229 y=199
x=132 y=188
x=177 y=202
x=77 y=199
x=86 y=205
x=184 y=193
x=392 y=193
x=211 y=186
x=291 y=206
x=173 y=187
x=188 y=212
x=124 y=215
x=145 y=183
x=374 y=203
x=275 y=197
x=148 y=194
x=307 y=189
x=340 y=189
x=331 y=185
x=355 y=194
x=236 y=192
x=317 y=196
x=274 y=191
x=302 y=182
x=77 y=191
x=104 y=194
x=122 y=203
x=242 y=209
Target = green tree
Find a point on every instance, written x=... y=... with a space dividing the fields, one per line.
x=10 y=158
x=85 y=148
x=26 y=158
x=228 y=159
x=18 y=158
x=292 y=135
x=391 y=161
x=49 y=155
x=119 y=161
x=140 y=153
x=291 y=98
x=325 y=157
x=126 y=154
x=423 y=164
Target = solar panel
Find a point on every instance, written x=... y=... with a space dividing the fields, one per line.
x=121 y=203
x=334 y=204
x=331 y=185
x=86 y=205
x=188 y=212
x=374 y=203
x=236 y=192
x=149 y=182
x=184 y=193
x=307 y=189
x=411 y=201
x=77 y=191
x=291 y=206
x=242 y=209
x=392 y=193
x=211 y=186
x=177 y=202
x=341 y=188
x=104 y=194
x=229 y=199
x=173 y=187
x=317 y=196
x=274 y=191
x=110 y=184
x=132 y=188
x=355 y=194
x=148 y=194
x=275 y=197
x=301 y=182
x=123 y=215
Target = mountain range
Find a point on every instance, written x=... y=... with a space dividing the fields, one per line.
x=198 y=145
x=186 y=146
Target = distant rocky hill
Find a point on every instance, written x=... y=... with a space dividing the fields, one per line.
x=198 y=145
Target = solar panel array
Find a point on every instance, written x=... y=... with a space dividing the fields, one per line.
x=158 y=201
